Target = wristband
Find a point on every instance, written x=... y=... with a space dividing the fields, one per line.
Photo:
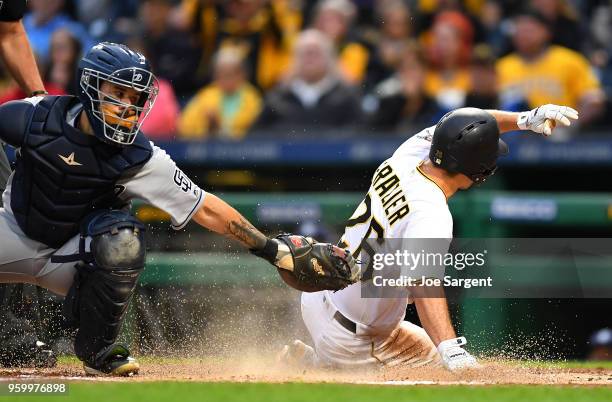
x=522 y=120
x=38 y=92
x=268 y=252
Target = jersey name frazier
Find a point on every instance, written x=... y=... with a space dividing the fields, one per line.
x=387 y=185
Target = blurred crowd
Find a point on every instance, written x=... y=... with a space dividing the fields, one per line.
x=235 y=68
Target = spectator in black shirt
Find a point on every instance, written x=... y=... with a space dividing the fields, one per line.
x=563 y=21
x=400 y=103
x=314 y=97
x=483 y=76
x=175 y=54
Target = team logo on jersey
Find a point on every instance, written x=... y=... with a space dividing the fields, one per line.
x=181 y=180
x=69 y=160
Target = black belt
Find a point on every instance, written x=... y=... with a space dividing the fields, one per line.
x=345 y=322
x=342 y=320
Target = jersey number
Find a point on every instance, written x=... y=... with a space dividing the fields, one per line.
x=366 y=217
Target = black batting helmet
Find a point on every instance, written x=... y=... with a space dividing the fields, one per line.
x=467 y=141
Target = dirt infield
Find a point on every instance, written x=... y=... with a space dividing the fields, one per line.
x=260 y=370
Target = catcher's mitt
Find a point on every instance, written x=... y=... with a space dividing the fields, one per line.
x=316 y=266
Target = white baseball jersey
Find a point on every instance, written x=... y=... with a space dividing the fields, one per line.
x=402 y=202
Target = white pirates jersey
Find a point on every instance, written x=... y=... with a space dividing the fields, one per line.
x=402 y=202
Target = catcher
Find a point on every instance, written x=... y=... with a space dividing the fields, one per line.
x=65 y=224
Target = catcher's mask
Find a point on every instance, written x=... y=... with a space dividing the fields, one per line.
x=112 y=119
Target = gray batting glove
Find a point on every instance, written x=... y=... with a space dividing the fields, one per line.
x=454 y=357
x=543 y=119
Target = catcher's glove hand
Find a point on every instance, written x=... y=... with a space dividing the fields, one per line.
x=310 y=266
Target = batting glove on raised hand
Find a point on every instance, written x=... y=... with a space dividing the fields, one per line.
x=454 y=357
x=544 y=118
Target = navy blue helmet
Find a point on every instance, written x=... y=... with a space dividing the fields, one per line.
x=112 y=119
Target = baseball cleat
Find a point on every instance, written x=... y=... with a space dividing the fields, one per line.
x=297 y=354
x=116 y=361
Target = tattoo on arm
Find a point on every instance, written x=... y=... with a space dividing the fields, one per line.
x=246 y=233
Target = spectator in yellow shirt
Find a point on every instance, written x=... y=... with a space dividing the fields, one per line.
x=227 y=107
x=449 y=50
x=335 y=19
x=539 y=73
x=262 y=29
x=434 y=6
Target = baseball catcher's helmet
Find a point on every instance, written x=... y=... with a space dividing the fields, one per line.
x=467 y=141
x=118 y=65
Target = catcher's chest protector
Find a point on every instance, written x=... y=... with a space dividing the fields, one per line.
x=63 y=174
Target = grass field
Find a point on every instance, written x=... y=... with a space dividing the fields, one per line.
x=294 y=392
x=203 y=380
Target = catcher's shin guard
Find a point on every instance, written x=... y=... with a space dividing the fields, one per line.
x=105 y=281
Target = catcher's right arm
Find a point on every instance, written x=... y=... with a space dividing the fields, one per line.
x=314 y=266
